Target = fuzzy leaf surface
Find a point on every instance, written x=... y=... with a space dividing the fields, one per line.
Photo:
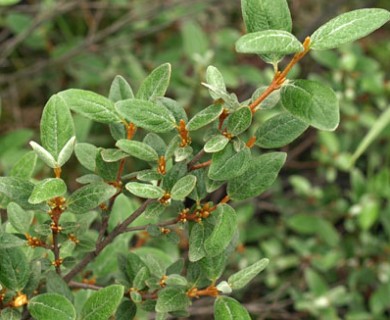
x=56 y=125
x=47 y=189
x=172 y=299
x=144 y=190
x=269 y=41
x=89 y=197
x=120 y=90
x=260 y=175
x=262 y=15
x=241 y=278
x=279 y=131
x=14 y=268
x=102 y=304
x=50 y=306
x=312 y=102
x=228 y=164
x=91 y=105
x=226 y=308
x=137 y=149
x=183 y=187
x=204 y=117
x=239 y=121
x=156 y=83
x=223 y=231
x=147 y=115
x=348 y=27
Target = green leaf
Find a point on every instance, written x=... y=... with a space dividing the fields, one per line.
x=47 y=189
x=183 y=153
x=147 y=115
x=228 y=164
x=86 y=154
x=183 y=187
x=176 y=280
x=8 y=3
x=239 y=121
x=223 y=231
x=17 y=189
x=215 y=78
x=279 y=131
x=174 y=107
x=102 y=304
x=44 y=155
x=55 y=284
x=196 y=240
x=172 y=299
x=348 y=27
x=113 y=155
x=50 y=306
x=66 y=152
x=216 y=143
x=89 y=197
x=149 y=175
x=213 y=267
x=25 y=166
x=14 y=268
x=129 y=264
x=120 y=90
x=156 y=84
x=144 y=190
x=126 y=310
x=269 y=41
x=204 y=117
x=312 y=102
x=156 y=142
x=91 y=105
x=226 y=308
x=139 y=280
x=56 y=125
x=230 y=99
x=241 y=278
x=19 y=218
x=260 y=175
x=153 y=210
x=137 y=149
x=262 y=15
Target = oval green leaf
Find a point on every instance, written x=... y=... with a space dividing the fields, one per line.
x=89 y=197
x=241 y=278
x=14 y=268
x=226 y=308
x=279 y=131
x=260 y=15
x=50 y=306
x=228 y=164
x=269 y=41
x=239 y=121
x=312 y=102
x=47 y=189
x=56 y=125
x=102 y=304
x=204 y=117
x=120 y=90
x=172 y=299
x=147 y=115
x=137 y=149
x=144 y=190
x=260 y=175
x=348 y=27
x=91 y=105
x=223 y=231
x=196 y=240
x=156 y=84
x=183 y=187
x=216 y=143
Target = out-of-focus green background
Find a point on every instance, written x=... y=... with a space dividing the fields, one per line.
x=325 y=226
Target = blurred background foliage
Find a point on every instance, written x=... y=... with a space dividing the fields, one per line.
x=325 y=225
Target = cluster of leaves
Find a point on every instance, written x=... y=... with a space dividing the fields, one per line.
x=58 y=225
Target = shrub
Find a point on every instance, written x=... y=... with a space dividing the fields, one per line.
x=81 y=239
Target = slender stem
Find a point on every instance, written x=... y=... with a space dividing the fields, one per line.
x=280 y=77
x=196 y=158
x=200 y=165
x=81 y=285
x=161 y=224
x=121 y=228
